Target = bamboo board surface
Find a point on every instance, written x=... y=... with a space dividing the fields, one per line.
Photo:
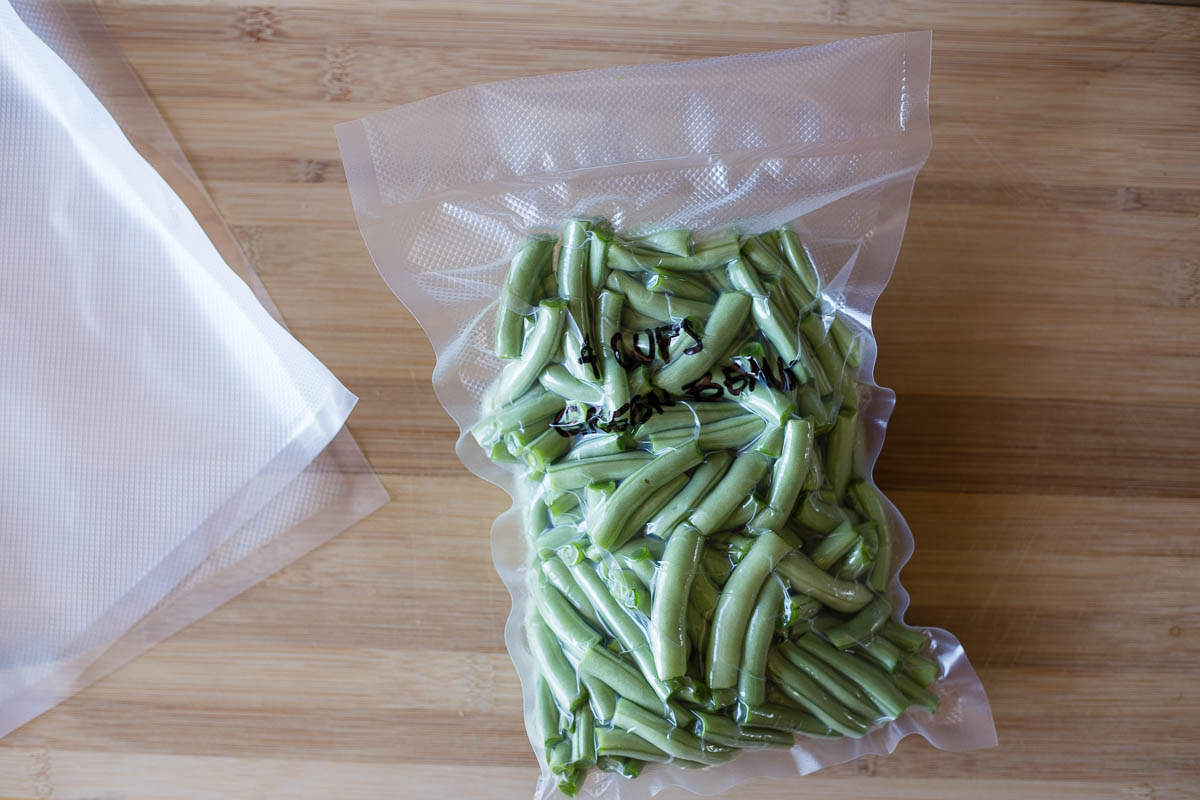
x=1041 y=332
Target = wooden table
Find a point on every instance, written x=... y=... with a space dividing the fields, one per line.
x=1041 y=332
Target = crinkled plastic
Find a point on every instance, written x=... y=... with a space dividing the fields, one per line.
x=166 y=443
x=826 y=140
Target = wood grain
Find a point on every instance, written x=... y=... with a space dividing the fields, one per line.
x=1041 y=333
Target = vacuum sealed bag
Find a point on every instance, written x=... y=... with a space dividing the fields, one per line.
x=165 y=442
x=650 y=290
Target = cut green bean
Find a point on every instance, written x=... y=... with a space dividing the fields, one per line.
x=673 y=584
x=721 y=730
x=619 y=742
x=804 y=691
x=560 y=577
x=752 y=678
x=541 y=346
x=557 y=379
x=583 y=738
x=917 y=694
x=666 y=283
x=818 y=512
x=672 y=740
x=838 y=686
x=886 y=654
x=616 y=381
x=921 y=669
x=554 y=666
x=533 y=408
x=866 y=497
x=837 y=594
x=572 y=631
x=735 y=607
x=839 y=464
x=517 y=299
x=835 y=545
x=578 y=473
x=677 y=241
x=722 y=325
x=604 y=444
x=546 y=715
x=787 y=475
x=907 y=639
x=661 y=307
x=628 y=768
x=863 y=626
x=687 y=416
x=781 y=718
x=634 y=490
x=726 y=434
x=601 y=697
x=870 y=679
x=737 y=484
x=661 y=496
x=705 y=476
x=620 y=676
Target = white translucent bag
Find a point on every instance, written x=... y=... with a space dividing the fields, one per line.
x=165 y=442
x=825 y=139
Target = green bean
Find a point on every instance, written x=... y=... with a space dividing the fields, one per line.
x=745 y=280
x=917 y=694
x=745 y=473
x=672 y=740
x=705 y=593
x=837 y=594
x=827 y=356
x=856 y=562
x=668 y=640
x=677 y=241
x=628 y=768
x=741 y=516
x=706 y=256
x=661 y=307
x=705 y=476
x=570 y=780
x=752 y=678
x=620 y=676
x=735 y=607
x=604 y=444
x=810 y=405
x=760 y=255
x=863 y=626
x=838 y=686
x=601 y=697
x=715 y=565
x=573 y=287
x=578 y=473
x=560 y=577
x=545 y=450
x=840 y=452
x=721 y=730
x=556 y=537
x=597 y=260
x=557 y=379
x=540 y=347
x=876 y=684
x=666 y=283
x=781 y=718
x=533 y=408
x=886 y=654
x=720 y=328
x=732 y=433
x=793 y=288
x=550 y=659
x=818 y=512
x=787 y=475
x=636 y=556
x=618 y=742
x=653 y=504
x=867 y=498
x=847 y=341
x=616 y=381
x=907 y=639
x=635 y=489
x=798 y=608
x=635 y=324
x=800 y=688
x=525 y=275
x=583 y=738
x=627 y=588
x=687 y=416
x=618 y=621
x=921 y=669
x=639 y=381
x=770 y=444
x=546 y=715
x=800 y=262
x=835 y=545
x=559 y=757
x=572 y=630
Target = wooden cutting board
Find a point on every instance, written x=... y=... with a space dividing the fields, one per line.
x=1041 y=333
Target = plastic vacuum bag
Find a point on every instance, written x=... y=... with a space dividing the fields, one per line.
x=630 y=164
x=166 y=443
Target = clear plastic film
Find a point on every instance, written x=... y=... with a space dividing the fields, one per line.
x=650 y=290
x=166 y=443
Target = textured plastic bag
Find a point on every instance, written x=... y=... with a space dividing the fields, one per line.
x=166 y=443
x=827 y=140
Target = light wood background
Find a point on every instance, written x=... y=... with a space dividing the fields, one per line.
x=1041 y=332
